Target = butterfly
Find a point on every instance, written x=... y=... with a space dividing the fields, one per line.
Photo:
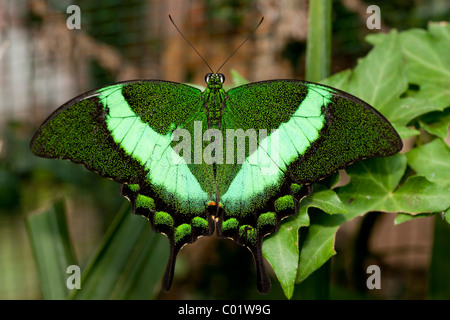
x=236 y=162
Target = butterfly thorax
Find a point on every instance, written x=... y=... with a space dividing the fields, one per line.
x=214 y=98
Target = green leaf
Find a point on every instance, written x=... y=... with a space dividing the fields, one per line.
x=447 y=215
x=382 y=87
x=318 y=245
x=432 y=160
x=426 y=55
x=436 y=123
x=435 y=94
x=338 y=80
x=326 y=200
x=373 y=188
x=198 y=86
x=379 y=78
x=237 y=79
x=419 y=195
x=129 y=263
x=282 y=249
x=403 y=111
x=371 y=183
x=52 y=249
x=440 y=30
x=405 y=132
x=427 y=64
x=376 y=38
x=403 y=217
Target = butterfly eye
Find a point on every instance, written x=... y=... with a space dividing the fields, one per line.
x=221 y=77
x=208 y=77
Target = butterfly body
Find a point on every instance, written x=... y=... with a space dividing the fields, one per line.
x=214 y=97
x=234 y=162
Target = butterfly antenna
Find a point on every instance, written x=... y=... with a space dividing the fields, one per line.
x=190 y=44
x=249 y=36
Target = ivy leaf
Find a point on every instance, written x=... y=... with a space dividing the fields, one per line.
x=436 y=123
x=426 y=63
x=281 y=251
x=382 y=87
x=358 y=197
x=432 y=160
x=282 y=248
x=426 y=55
x=419 y=195
x=403 y=111
x=318 y=245
x=373 y=188
x=405 y=132
x=379 y=78
x=376 y=38
x=338 y=80
x=434 y=93
x=440 y=29
x=403 y=217
x=371 y=182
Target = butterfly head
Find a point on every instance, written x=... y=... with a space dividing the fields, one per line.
x=214 y=80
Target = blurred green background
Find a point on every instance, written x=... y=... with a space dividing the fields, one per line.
x=43 y=64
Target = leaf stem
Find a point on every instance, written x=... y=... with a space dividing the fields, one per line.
x=318 y=49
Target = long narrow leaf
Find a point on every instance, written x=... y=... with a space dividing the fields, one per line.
x=52 y=249
x=129 y=263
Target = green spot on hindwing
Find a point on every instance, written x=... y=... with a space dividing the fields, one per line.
x=182 y=231
x=284 y=203
x=230 y=224
x=144 y=202
x=163 y=218
x=248 y=233
x=296 y=188
x=199 y=222
x=134 y=187
x=266 y=219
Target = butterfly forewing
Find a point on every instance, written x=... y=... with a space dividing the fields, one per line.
x=313 y=130
x=124 y=131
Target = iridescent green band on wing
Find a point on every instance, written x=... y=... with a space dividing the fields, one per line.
x=166 y=170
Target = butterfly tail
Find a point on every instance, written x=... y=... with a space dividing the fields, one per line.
x=262 y=278
x=170 y=268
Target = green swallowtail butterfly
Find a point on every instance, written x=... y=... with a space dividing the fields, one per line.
x=237 y=162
